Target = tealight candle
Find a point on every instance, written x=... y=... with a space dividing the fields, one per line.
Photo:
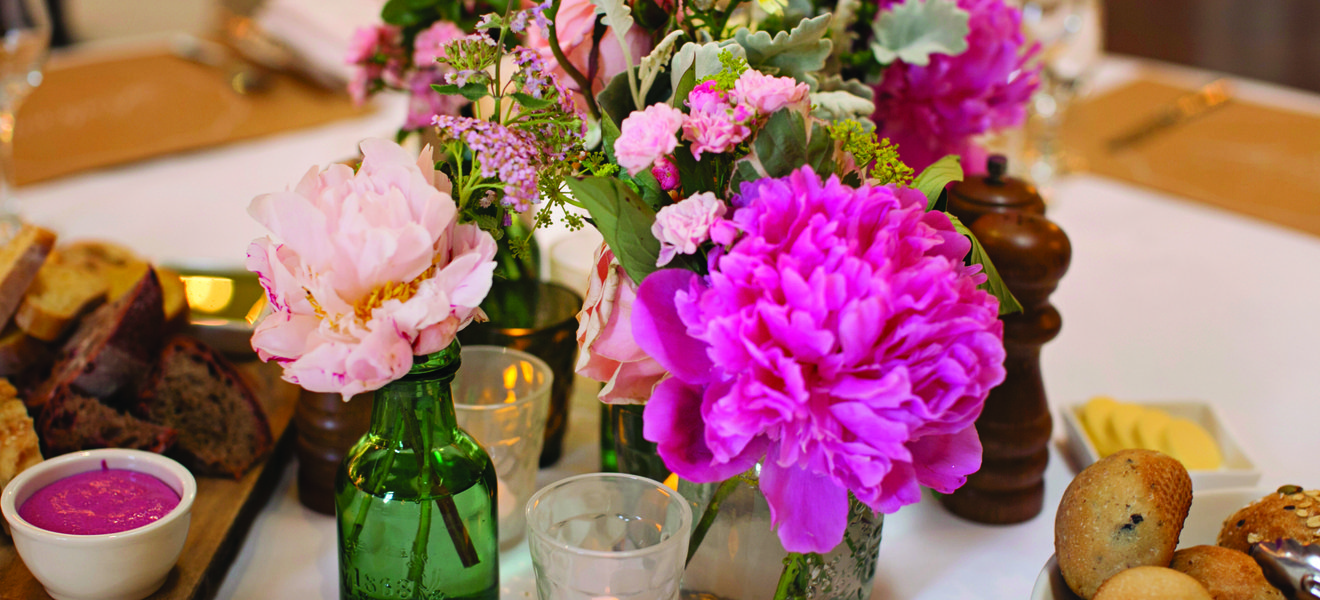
x=99 y=502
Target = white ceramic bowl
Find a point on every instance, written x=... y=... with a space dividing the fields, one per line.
x=1206 y=517
x=1237 y=470
x=129 y=565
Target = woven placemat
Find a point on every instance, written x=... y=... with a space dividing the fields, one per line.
x=1244 y=157
x=94 y=111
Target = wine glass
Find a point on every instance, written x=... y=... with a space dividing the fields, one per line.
x=25 y=27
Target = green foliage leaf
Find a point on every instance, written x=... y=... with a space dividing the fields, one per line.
x=609 y=133
x=421 y=4
x=781 y=145
x=623 y=219
x=650 y=189
x=916 y=29
x=397 y=12
x=684 y=88
x=531 y=103
x=840 y=106
x=704 y=57
x=931 y=181
x=820 y=150
x=473 y=91
x=617 y=102
x=798 y=53
x=695 y=178
x=993 y=282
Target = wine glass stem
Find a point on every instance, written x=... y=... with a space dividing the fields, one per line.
x=9 y=219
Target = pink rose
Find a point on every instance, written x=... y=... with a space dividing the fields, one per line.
x=767 y=93
x=607 y=352
x=684 y=226
x=364 y=270
x=575 y=25
x=647 y=135
x=716 y=131
x=429 y=45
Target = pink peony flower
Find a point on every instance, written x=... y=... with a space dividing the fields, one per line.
x=707 y=98
x=685 y=225
x=647 y=135
x=607 y=352
x=840 y=340
x=575 y=25
x=364 y=270
x=717 y=131
x=430 y=43
x=767 y=93
x=937 y=109
x=666 y=173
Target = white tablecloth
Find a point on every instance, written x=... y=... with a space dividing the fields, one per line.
x=1166 y=299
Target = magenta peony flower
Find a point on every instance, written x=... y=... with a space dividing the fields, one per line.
x=608 y=353
x=718 y=130
x=364 y=270
x=935 y=110
x=767 y=93
x=666 y=173
x=647 y=135
x=840 y=340
x=684 y=226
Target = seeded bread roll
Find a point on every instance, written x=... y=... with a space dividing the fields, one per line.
x=1152 y=583
x=1125 y=510
x=1290 y=513
x=1226 y=574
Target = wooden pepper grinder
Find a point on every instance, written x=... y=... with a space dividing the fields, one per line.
x=1031 y=254
x=327 y=427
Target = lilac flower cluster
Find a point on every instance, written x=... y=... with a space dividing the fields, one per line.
x=839 y=340
x=510 y=155
x=937 y=109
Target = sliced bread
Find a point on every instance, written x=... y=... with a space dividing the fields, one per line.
x=21 y=354
x=71 y=422
x=222 y=427
x=112 y=348
x=18 y=441
x=174 y=296
x=62 y=292
x=118 y=266
x=20 y=260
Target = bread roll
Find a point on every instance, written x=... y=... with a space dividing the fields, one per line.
x=1279 y=515
x=1226 y=574
x=1152 y=583
x=1124 y=511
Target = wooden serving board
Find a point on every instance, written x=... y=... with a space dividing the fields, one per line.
x=221 y=515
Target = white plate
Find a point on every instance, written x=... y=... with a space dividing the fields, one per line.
x=1209 y=509
x=1237 y=471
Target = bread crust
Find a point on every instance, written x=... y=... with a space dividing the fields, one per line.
x=1276 y=515
x=1126 y=510
x=20 y=260
x=1226 y=574
x=19 y=448
x=1152 y=583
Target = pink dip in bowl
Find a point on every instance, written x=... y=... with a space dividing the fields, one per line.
x=99 y=502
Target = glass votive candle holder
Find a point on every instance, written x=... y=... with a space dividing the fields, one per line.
x=608 y=536
x=501 y=398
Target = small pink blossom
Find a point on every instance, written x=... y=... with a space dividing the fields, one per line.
x=707 y=97
x=364 y=270
x=424 y=103
x=716 y=131
x=684 y=226
x=647 y=135
x=377 y=54
x=666 y=173
x=607 y=351
x=767 y=93
x=430 y=43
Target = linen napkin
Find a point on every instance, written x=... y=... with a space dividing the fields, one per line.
x=318 y=30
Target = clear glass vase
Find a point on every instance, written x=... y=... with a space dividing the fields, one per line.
x=415 y=497
x=740 y=556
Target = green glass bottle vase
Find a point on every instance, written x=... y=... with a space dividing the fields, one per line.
x=415 y=497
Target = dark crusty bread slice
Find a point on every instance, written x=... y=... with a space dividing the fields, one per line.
x=222 y=427
x=71 y=422
x=20 y=260
x=21 y=355
x=113 y=347
x=62 y=292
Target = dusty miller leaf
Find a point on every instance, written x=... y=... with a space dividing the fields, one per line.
x=618 y=17
x=706 y=57
x=798 y=53
x=993 y=282
x=840 y=106
x=916 y=29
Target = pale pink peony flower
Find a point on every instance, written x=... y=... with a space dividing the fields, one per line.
x=607 y=352
x=575 y=25
x=767 y=93
x=684 y=226
x=364 y=270
x=717 y=131
x=647 y=135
